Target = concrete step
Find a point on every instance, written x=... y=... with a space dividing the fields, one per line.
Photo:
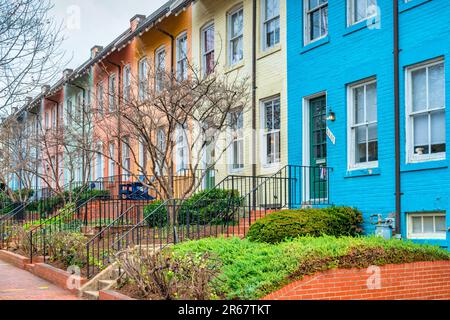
x=90 y=295
x=105 y=284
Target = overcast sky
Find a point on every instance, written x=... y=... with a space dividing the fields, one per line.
x=91 y=22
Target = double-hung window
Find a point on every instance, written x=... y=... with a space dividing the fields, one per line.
x=100 y=95
x=271 y=23
x=363 y=125
x=112 y=93
x=126 y=83
x=112 y=156
x=143 y=79
x=360 y=10
x=316 y=19
x=208 y=49
x=126 y=157
x=54 y=117
x=237 y=140
x=182 y=60
x=160 y=63
x=271 y=131
x=426 y=112
x=160 y=150
x=182 y=150
x=236 y=36
x=69 y=112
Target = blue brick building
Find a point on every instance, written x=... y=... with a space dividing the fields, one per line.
x=341 y=65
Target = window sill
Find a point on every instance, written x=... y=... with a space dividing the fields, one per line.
x=268 y=52
x=402 y=7
x=315 y=44
x=363 y=173
x=359 y=26
x=425 y=165
x=234 y=67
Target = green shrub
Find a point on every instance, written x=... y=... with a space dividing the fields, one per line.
x=333 y=221
x=155 y=214
x=67 y=248
x=83 y=194
x=251 y=270
x=209 y=206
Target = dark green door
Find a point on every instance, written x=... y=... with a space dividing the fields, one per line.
x=318 y=141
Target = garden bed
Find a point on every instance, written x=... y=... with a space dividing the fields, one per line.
x=251 y=270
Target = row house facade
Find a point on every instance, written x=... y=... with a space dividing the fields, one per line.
x=356 y=87
x=367 y=97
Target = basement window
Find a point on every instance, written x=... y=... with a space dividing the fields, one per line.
x=432 y=225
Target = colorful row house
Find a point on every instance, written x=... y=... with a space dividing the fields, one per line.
x=354 y=89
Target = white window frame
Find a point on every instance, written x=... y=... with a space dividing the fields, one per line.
x=160 y=70
x=410 y=156
x=161 y=148
x=434 y=235
x=54 y=116
x=126 y=157
x=265 y=134
x=205 y=53
x=265 y=21
x=307 y=22
x=112 y=85
x=351 y=152
x=141 y=160
x=143 y=78
x=181 y=162
x=100 y=98
x=126 y=83
x=182 y=57
x=112 y=163
x=236 y=136
x=69 y=108
x=351 y=19
x=236 y=10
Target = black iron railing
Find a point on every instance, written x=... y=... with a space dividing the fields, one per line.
x=246 y=200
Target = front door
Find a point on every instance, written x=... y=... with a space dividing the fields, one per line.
x=318 y=153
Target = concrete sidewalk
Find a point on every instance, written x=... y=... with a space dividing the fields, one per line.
x=17 y=284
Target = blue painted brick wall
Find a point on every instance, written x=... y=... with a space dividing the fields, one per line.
x=351 y=54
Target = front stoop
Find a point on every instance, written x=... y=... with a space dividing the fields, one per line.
x=105 y=280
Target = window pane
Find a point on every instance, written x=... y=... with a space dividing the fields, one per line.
x=417 y=224
x=361 y=144
x=276 y=115
x=421 y=134
x=358 y=97
x=438 y=132
x=440 y=224
x=373 y=143
x=236 y=24
x=237 y=53
x=315 y=24
x=419 y=94
x=371 y=100
x=272 y=8
x=269 y=117
x=428 y=226
x=313 y=4
x=324 y=24
x=436 y=83
x=360 y=10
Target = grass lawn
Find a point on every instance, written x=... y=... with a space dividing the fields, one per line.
x=251 y=270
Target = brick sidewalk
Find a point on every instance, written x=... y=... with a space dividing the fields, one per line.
x=17 y=284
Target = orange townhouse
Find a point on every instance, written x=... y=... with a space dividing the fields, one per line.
x=120 y=70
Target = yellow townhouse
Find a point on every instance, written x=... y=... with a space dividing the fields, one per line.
x=247 y=38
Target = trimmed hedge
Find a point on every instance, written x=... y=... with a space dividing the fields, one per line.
x=209 y=206
x=333 y=221
x=155 y=214
x=205 y=207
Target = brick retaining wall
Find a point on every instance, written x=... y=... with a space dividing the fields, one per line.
x=414 y=281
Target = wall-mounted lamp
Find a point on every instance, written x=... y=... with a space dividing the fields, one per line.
x=331 y=116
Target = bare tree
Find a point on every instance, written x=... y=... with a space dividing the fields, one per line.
x=17 y=154
x=30 y=49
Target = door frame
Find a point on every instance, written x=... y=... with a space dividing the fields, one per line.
x=306 y=143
